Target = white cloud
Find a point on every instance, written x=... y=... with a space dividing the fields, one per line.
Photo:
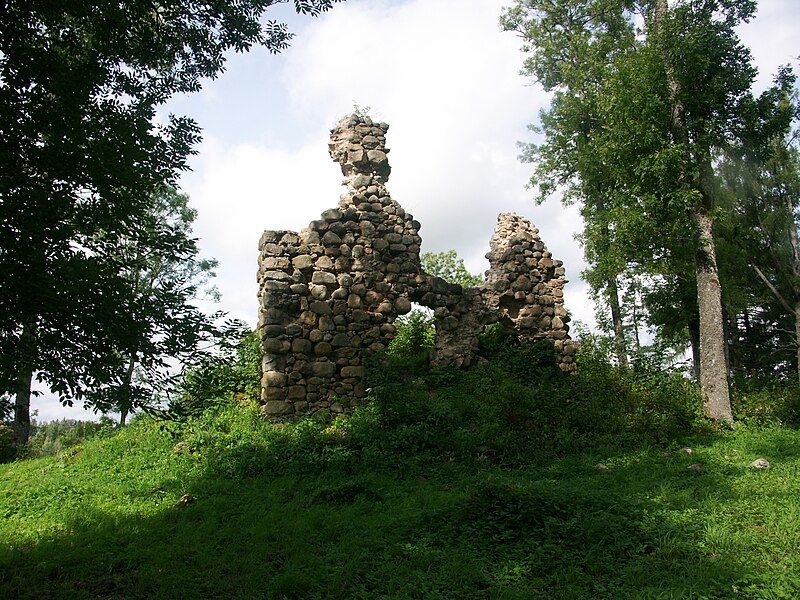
x=239 y=191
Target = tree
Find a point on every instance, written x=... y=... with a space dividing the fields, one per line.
x=80 y=82
x=449 y=267
x=165 y=276
x=570 y=54
x=234 y=367
x=665 y=101
x=780 y=183
x=763 y=183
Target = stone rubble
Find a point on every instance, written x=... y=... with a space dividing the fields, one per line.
x=329 y=295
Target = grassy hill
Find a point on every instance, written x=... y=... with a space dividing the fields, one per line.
x=447 y=485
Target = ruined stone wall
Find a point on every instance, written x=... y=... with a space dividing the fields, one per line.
x=329 y=295
x=524 y=291
x=526 y=285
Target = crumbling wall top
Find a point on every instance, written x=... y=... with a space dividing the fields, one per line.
x=359 y=145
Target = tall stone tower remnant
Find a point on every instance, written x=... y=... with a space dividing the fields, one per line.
x=329 y=295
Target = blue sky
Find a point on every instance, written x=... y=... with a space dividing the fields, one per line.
x=444 y=77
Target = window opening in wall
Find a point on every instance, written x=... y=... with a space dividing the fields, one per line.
x=415 y=333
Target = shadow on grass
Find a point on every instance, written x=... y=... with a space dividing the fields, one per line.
x=647 y=527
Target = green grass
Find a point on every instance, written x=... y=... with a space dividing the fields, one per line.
x=437 y=497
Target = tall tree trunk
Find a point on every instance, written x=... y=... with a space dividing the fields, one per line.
x=713 y=368
x=635 y=316
x=726 y=338
x=22 y=400
x=713 y=372
x=795 y=245
x=734 y=360
x=616 y=318
x=797 y=334
x=125 y=401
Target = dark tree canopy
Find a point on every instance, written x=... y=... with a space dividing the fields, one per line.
x=80 y=155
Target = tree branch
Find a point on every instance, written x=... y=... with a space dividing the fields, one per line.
x=774 y=290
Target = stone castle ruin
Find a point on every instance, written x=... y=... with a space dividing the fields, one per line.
x=329 y=295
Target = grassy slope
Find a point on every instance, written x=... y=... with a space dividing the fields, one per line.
x=301 y=512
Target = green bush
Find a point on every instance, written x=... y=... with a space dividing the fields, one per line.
x=8 y=449
x=514 y=409
x=236 y=370
x=759 y=402
x=525 y=361
x=519 y=404
x=415 y=335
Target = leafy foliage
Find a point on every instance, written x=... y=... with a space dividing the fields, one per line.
x=449 y=267
x=649 y=101
x=6 y=408
x=415 y=335
x=519 y=401
x=767 y=402
x=82 y=154
x=525 y=361
x=8 y=446
x=166 y=277
x=234 y=370
x=474 y=487
x=56 y=436
x=762 y=252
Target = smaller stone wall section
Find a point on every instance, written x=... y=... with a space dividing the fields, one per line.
x=524 y=291
x=526 y=286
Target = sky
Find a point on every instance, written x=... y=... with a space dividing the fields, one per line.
x=445 y=78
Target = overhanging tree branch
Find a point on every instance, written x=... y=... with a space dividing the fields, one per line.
x=774 y=291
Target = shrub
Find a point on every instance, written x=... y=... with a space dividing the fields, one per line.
x=526 y=361
x=415 y=335
x=519 y=404
x=235 y=370
x=760 y=402
x=513 y=410
x=642 y=405
x=8 y=449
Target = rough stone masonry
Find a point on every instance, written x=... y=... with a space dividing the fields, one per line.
x=329 y=295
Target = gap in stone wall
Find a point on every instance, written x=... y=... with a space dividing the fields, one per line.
x=416 y=306
x=416 y=309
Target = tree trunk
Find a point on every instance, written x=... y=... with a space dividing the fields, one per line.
x=616 y=318
x=713 y=370
x=797 y=334
x=125 y=401
x=795 y=245
x=734 y=358
x=635 y=316
x=726 y=341
x=694 y=340
x=22 y=400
